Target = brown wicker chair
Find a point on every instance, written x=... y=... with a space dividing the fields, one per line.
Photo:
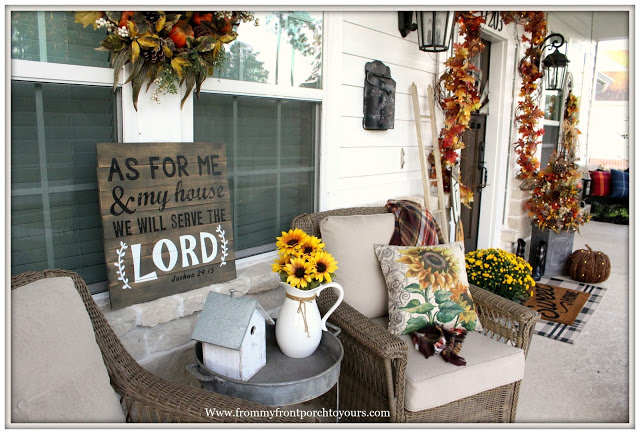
x=372 y=375
x=145 y=397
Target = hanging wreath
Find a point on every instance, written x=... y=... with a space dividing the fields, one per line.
x=167 y=49
x=458 y=96
x=528 y=113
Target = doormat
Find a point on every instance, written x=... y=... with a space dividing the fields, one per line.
x=557 y=304
x=564 y=332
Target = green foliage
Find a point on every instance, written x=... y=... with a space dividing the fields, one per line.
x=415 y=324
x=414 y=306
x=613 y=213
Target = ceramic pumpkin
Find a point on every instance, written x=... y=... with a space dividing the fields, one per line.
x=589 y=266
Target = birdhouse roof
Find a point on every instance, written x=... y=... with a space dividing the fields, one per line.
x=224 y=320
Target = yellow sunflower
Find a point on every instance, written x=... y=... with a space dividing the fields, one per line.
x=289 y=243
x=298 y=272
x=435 y=267
x=325 y=264
x=311 y=246
x=278 y=264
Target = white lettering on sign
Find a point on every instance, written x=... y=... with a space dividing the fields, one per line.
x=214 y=250
x=135 y=252
x=187 y=252
x=157 y=255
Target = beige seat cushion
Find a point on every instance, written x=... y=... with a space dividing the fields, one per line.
x=350 y=240
x=433 y=382
x=57 y=371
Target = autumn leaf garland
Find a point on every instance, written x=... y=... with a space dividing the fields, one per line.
x=459 y=95
x=528 y=113
x=458 y=84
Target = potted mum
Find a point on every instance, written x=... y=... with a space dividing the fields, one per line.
x=500 y=272
x=305 y=270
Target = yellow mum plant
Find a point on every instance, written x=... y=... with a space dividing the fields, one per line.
x=500 y=272
x=302 y=261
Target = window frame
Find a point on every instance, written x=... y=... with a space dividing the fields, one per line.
x=260 y=250
x=130 y=128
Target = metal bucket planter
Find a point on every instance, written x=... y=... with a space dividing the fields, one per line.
x=559 y=248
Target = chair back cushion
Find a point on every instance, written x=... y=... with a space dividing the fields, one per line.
x=433 y=382
x=57 y=371
x=350 y=240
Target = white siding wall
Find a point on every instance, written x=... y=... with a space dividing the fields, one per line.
x=362 y=167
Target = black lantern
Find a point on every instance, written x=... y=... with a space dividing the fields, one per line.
x=435 y=28
x=555 y=64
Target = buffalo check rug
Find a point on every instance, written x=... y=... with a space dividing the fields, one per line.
x=569 y=333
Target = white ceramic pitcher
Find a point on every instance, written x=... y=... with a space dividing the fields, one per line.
x=299 y=326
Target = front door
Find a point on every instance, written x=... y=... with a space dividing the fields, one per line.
x=473 y=174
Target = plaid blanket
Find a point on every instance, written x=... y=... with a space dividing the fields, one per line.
x=414 y=226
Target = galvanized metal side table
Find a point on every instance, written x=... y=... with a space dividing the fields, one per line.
x=283 y=380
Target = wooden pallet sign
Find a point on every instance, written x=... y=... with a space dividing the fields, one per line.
x=166 y=218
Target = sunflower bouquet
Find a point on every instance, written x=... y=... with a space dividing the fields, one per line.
x=302 y=261
x=500 y=272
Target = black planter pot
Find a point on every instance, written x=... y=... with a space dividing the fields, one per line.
x=559 y=248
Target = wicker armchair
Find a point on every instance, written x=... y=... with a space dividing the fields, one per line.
x=145 y=397
x=372 y=375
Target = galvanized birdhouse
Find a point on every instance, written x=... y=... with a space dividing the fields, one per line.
x=232 y=332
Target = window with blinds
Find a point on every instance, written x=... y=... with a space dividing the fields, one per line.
x=55 y=37
x=55 y=215
x=271 y=149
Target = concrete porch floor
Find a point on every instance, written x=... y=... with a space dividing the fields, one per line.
x=588 y=381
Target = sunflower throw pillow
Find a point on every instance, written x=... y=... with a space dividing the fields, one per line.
x=427 y=286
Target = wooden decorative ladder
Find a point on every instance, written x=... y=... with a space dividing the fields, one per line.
x=424 y=155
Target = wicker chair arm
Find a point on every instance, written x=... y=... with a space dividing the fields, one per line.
x=504 y=319
x=368 y=334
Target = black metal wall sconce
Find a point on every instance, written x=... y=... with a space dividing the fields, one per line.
x=555 y=64
x=435 y=28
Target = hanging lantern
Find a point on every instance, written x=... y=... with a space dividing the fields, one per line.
x=435 y=28
x=555 y=64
